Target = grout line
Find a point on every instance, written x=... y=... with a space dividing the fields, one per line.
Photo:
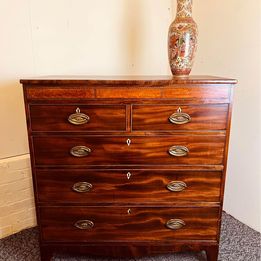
x=19 y=155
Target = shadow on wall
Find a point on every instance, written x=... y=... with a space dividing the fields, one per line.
x=13 y=138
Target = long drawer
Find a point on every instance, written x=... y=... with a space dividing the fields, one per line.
x=95 y=150
x=174 y=117
x=127 y=186
x=75 y=118
x=88 y=224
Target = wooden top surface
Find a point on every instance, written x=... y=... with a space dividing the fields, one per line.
x=126 y=80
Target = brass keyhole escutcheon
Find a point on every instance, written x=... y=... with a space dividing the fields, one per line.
x=129 y=211
x=128 y=142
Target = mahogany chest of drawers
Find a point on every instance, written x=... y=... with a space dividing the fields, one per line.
x=126 y=167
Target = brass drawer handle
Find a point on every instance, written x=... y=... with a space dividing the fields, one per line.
x=78 y=118
x=176 y=186
x=179 y=117
x=80 y=151
x=178 y=151
x=82 y=187
x=84 y=224
x=175 y=224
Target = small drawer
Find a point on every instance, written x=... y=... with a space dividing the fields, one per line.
x=88 y=224
x=74 y=118
x=120 y=150
x=175 y=117
x=124 y=186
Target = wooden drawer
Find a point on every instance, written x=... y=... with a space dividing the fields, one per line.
x=174 y=117
x=127 y=224
x=203 y=150
x=125 y=186
x=99 y=118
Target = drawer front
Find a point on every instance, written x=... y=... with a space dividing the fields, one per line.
x=78 y=118
x=90 y=150
x=174 y=117
x=88 y=224
x=124 y=186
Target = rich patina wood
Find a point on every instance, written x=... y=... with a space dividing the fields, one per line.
x=129 y=80
x=212 y=253
x=133 y=186
x=196 y=88
x=158 y=117
x=56 y=118
x=153 y=150
x=123 y=250
x=199 y=94
x=124 y=224
x=114 y=183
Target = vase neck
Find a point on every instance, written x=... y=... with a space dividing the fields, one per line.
x=184 y=8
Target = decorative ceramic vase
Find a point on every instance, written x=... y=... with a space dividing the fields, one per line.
x=182 y=42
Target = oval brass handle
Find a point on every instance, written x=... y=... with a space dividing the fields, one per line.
x=82 y=187
x=80 y=151
x=179 y=117
x=84 y=224
x=78 y=118
x=176 y=186
x=178 y=151
x=175 y=224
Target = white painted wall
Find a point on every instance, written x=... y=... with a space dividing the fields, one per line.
x=112 y=37
x=101 y=37
x=230 y=45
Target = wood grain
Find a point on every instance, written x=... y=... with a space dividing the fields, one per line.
x=115 y=224
x=124 y=250
x=156 y=117
x=138 y=108
x=147 y=186
x=46 y=93
x=113 y=81
x=55 y=118
x=205 y=150
x=196 y=94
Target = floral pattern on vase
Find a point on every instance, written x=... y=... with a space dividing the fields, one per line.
x=182 y=39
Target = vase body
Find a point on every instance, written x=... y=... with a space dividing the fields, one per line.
x=182 y=40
